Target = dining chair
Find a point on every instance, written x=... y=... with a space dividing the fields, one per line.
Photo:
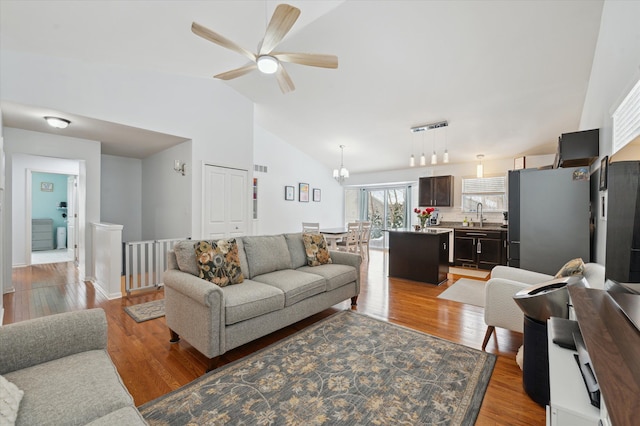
x=365 y=235
x=352 y=241
x=311 y=227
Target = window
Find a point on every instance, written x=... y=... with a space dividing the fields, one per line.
x=490 y=191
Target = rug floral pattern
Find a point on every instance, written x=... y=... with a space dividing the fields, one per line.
x=346 y=369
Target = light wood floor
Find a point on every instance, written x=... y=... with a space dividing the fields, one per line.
x=150 y=366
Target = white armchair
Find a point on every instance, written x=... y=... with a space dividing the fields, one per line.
x=500 y=309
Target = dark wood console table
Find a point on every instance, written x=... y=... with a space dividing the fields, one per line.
x=613 y=344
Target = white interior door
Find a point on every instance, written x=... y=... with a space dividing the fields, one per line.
x=225 y=202
x=72 y=216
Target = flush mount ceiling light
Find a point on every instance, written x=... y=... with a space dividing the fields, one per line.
x=267 y=64
x=434 y=157
x=57 y=122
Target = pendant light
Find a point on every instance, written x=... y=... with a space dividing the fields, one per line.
x=479 y=167
x=434 y=157
x=342 y=173
x=445 y=157
x=423 y=159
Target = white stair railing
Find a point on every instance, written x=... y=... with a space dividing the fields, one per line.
x=144 y=263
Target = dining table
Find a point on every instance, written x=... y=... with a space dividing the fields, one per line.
x=333 y=235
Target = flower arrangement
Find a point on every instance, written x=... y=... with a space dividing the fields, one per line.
x=423 y=215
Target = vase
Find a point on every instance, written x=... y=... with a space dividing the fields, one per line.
x=423 y=221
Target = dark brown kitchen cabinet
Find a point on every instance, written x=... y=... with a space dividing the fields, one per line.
x=435 y=191
x=480 y=249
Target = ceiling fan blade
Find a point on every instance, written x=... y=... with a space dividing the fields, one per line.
x=310 y=59
x=238 y=72
x=281 y=22
x=216 y=38
x=284 y=80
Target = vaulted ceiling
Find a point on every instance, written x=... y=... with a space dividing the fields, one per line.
x=509 y=76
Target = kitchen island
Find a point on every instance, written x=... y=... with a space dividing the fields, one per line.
x=419 y=255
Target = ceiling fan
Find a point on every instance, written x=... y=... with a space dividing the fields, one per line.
x=267 y=60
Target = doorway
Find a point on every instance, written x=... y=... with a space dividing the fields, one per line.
x=53 y=201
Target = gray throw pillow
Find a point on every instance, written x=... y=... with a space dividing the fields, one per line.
x=186 y=256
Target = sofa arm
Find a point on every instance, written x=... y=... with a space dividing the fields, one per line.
x=346 y=258
x=32 y=342
x=500 y=310
x=196 y=288
x=517 y=274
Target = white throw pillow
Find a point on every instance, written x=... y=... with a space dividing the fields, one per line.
x=9 y=402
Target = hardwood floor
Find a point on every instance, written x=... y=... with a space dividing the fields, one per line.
x=150 y=366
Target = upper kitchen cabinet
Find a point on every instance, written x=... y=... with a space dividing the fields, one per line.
x=578 y=148
x=436 y=191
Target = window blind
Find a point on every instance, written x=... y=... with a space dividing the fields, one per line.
x=626 y=119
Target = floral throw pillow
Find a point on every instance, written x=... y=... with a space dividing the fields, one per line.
x=316 y=249
x=219 y=262
x=572 y=267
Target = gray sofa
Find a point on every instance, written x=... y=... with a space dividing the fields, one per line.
x=61 y=364
x=279 y=289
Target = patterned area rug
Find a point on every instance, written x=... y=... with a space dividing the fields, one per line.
x=345 y=369
x=146 y=311
x=466 y=290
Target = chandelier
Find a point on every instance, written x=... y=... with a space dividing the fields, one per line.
x=434 y=157
x=342 y=173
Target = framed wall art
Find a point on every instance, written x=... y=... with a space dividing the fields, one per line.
x=316 y=194
x=303 y=192
x=289 y=193
x=46 y=186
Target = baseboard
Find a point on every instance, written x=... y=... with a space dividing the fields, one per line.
x=110 y=296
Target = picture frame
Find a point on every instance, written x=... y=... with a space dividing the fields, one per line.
x=303 y=192
x=604 y=166
x=316 y=194
x=519 y=163
x=46 y=186
x=289 y=193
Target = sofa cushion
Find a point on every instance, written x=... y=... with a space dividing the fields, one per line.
x=218 y=262
x=186 y=256
x=296 y=285
x=10 y=397
x=76 y=389
x=572 y=267
x=249 y=300
x=296 y=250
x=266 y=254
x=316 y=249
x=335 y=274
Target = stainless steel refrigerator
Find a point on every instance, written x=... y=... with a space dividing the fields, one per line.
x=549 y=214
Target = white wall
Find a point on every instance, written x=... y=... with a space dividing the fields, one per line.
x=167 y=217
x=217 y=120
x=616 y=68
x=43 y=151
x=121 y=194
x=287 y=166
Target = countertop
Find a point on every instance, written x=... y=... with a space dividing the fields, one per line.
x=485 y=227
x=428 y=230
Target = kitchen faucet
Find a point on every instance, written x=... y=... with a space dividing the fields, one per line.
x=479 y=213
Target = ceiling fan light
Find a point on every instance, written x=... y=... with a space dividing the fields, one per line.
x=57 y=122
x=267 y=64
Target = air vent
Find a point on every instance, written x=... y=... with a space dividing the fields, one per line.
x=259 y=168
